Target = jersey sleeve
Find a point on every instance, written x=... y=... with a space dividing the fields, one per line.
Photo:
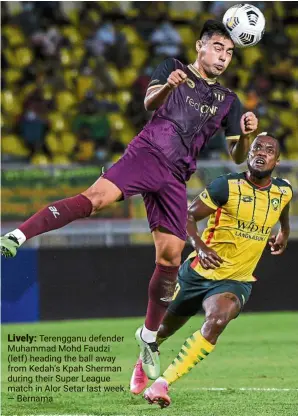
x=161 y=73
x=285 y=187
x=231 y=123
x=216 y=194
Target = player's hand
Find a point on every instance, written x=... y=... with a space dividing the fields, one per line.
x=176 y=78
x=248 y=123
x=209 y=259
x=278 y=243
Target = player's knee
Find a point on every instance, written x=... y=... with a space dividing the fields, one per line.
x=169 y=257
x=96 y=199
x=102 y=193
x=215 y=323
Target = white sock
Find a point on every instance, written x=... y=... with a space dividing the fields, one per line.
x=147 y=335
x=18 y=235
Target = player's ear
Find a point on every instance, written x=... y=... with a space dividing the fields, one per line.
x=199 y=44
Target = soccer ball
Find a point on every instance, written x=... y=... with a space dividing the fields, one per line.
x=245 y=23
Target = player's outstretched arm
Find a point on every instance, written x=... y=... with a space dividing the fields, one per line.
x=155 y=97
x=239 y=149
x=197 y=211
x=278 y=243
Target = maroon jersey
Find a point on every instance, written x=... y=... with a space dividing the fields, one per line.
x=190 y=116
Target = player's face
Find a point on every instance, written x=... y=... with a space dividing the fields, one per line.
x=214 y=54
x=263 y=156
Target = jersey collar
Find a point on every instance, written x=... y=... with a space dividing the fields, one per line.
x=254 y=185
x=198 y=75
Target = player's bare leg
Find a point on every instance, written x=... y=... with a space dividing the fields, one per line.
x=58 y=214
x=220 y=309
x=161 y=289
x=170 y=324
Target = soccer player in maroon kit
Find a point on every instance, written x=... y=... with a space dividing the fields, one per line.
x=189 y=107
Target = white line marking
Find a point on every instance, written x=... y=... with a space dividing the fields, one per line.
x=241 y=389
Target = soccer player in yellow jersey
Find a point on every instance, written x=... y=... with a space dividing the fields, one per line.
x=218 y=274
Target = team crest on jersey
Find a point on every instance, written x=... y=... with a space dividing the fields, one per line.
x=247 y=198
x=219 y=95
x=190 y=83
x=275 y=203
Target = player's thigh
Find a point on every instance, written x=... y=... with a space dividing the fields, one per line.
x=222 y=306
x=226 y=299
x=136 y=172
x=102 y=193
x=168 y=246
x=167 y=216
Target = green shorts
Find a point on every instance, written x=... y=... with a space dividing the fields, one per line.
x=192 y=289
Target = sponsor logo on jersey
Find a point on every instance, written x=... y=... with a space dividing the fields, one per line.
x=275 y=203
x=202 y=108
x=247 y=198
x=283 y=191
x=252 y=227
x=238 y=182
x=190 y=83
x=219 y=95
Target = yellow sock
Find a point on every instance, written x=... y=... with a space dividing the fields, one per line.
x=194 y=350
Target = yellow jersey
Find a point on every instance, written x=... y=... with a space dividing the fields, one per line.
x=239 y=228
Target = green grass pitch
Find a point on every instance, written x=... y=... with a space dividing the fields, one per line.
x=256 y=352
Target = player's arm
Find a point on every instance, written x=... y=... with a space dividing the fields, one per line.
x=239 y=150
x=213 y=197
x=163 y=81
x=278 y=243
x=239 y=131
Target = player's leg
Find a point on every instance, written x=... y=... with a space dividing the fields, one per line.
x=125 y=178
x=167 y=215
x=220 y=309
x=166 y=212
x=161 y=289
x=60 y=213
x=163 y=281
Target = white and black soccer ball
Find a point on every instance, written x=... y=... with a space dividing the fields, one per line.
x=245 y=23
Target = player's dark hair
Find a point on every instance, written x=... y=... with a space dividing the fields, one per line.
x=214 y=27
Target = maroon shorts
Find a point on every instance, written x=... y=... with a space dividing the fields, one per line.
x=140 y=171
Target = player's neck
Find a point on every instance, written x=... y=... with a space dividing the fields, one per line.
x=202 y=72
x=260 y=183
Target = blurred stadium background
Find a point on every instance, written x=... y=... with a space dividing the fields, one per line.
x=74 y=75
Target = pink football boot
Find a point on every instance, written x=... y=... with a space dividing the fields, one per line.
x=138 y=380
x=158 y=393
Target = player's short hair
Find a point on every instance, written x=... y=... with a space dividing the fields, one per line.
x=214 y=27
x=268 y=134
